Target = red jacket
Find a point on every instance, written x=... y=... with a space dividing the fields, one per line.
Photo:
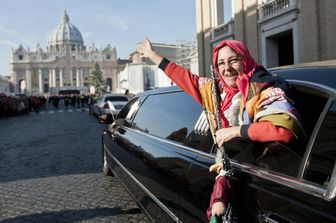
x=258 y=131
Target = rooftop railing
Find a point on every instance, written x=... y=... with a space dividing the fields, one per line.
x=275 y=7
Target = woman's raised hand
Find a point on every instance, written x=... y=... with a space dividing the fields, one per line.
x=146 y=51
x=145 y=48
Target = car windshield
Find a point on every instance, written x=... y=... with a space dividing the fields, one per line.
x=116 y=98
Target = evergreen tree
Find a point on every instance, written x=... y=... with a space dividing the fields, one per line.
x=96 y=79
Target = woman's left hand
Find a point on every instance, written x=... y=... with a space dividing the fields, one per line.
x=218 y=208
x=225 y=134
x=145 y=48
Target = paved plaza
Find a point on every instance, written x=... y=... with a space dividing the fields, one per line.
x=50 y=171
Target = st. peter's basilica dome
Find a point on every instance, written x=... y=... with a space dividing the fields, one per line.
x=65 y=33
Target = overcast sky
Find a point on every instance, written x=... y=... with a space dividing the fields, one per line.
x=122 y=23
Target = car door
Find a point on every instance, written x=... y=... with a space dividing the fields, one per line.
x=309 y=197
x=150 y=148
x=275 y=182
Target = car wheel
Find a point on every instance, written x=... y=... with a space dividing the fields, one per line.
x=106 y=168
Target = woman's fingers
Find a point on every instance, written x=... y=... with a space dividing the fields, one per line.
x=216 y=167
x=144 y=47
x=218 y=208
x=147 y=41
x=141 y=50
x=224 y=135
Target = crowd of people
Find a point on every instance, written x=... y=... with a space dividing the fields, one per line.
x=75 y=101
x=11 y=105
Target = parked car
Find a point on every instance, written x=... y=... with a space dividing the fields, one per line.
x=103 y=107
x=161 y=151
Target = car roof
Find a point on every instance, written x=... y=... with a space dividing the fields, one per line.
x=160 y=90
x=316 y=64
x=322 y=72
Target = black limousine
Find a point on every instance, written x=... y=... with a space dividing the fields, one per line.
x=161 y=150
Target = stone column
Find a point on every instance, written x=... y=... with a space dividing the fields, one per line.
x=77 y=78
x=15 y=81
x=71 y=77
x=81 y=78
x=28 y=80
x=61 y=77
x=40 y=81
x=50 y=77
x=54 y=77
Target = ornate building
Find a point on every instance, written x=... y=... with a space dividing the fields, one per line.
x=277 y=32
x=142 y=74
x=66 y=64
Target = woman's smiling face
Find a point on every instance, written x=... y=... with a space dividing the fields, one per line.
x=230 y=65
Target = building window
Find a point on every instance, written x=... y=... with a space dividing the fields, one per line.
x=222 y=12
x=20 y=57
x=108 y=56
x=227 y=7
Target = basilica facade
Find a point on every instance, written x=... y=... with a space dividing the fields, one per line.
x=65 y=65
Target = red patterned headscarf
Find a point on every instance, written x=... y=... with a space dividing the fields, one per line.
x=249 y=66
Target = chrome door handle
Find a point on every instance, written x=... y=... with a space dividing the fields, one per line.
x=266 y=218
x=114 y=134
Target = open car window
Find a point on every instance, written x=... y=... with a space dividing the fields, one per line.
x=288 y=159
x=271 y=156
x=321 y=161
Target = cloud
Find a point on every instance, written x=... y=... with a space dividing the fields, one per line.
x=6 y=30
x=115 y=21
x=4 y=27
x=87 y=34
x=8 y=43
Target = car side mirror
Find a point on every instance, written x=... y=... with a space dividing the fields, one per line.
x=106 y=118
x=117 y=124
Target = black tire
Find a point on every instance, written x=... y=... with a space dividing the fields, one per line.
x=106 y=168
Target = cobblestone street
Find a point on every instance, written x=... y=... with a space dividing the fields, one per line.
x=50 y=171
